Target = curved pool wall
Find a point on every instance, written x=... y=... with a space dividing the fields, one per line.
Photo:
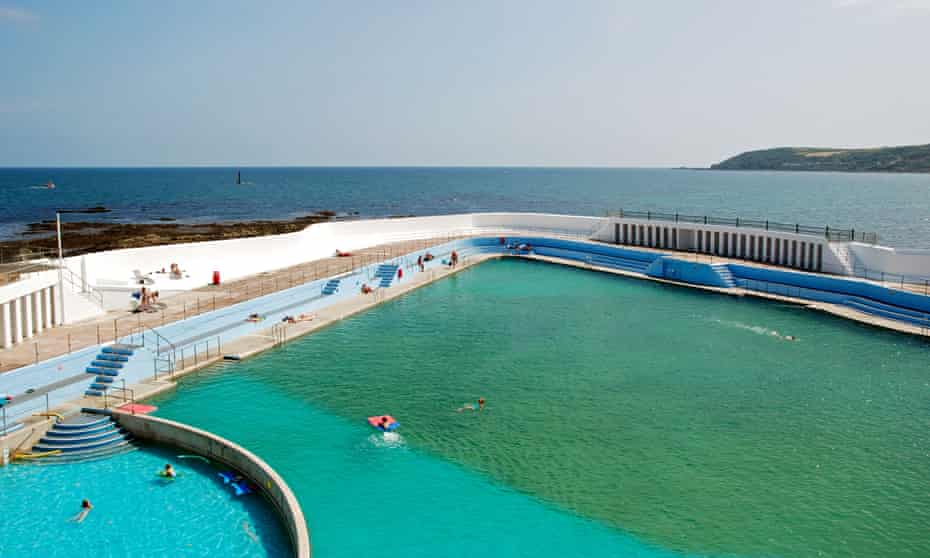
x=135 y=513
x=222 y=450
x=227 y=324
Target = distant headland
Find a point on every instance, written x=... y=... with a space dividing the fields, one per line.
x=907 y=158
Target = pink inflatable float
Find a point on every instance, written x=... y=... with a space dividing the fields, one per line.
x=384 y=423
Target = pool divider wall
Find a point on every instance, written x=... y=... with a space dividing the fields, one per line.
x=222 y=450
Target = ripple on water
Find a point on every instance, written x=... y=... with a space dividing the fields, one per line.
x=669 y=414
x=135 y=512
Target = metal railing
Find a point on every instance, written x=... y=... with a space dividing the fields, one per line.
x=910 y=283
x=279 y=334
x=830 y=233
x=128 y=395
x=797 y=292
x=194 y=353
x=79 y=285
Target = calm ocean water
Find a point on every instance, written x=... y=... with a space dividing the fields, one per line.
x=895 y=206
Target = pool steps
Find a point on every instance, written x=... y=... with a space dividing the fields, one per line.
x=106 y=366
x=387 y=273
x=331 y=286
x=84 y=437
x=725 y=275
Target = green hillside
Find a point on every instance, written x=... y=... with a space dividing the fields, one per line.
x=909 y=158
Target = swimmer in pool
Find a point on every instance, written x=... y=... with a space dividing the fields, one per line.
x=384 y=424
x=472 y=406
x=169 y=471
x=85 y=509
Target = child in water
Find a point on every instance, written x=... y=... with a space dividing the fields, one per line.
x=85 y=509
x=169 y=471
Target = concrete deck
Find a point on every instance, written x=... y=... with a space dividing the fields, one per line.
x=62 y=340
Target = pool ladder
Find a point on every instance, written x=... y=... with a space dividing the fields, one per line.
x=279 y=334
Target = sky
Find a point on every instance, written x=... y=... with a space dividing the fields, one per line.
x=477 y=83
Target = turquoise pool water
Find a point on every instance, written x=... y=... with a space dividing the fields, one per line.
x=623 y=418
x=135 y=512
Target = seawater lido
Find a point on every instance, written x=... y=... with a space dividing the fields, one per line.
x=70 y=343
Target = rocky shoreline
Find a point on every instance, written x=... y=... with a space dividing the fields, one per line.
x=82 y=237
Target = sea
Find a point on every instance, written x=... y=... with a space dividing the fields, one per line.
x=896 y=206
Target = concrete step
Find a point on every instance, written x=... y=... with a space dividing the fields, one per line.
x=113 y=357
x=85 y=446
x=117 y=350
x=101 y=371
x=106 y=364
x=59 y=433
x=81 y=440
x=83 y=422
x=88 y=455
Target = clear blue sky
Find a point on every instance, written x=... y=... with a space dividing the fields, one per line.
x=398 y=82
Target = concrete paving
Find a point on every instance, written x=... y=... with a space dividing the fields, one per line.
x=62 y=340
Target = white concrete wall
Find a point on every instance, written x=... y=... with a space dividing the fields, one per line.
x=773 y=247
x=37 y=305
x=222 y=450
x=237 y=258
x=899 y=261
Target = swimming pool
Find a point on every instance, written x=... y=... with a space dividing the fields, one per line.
x=135 y=513
x=624 y=418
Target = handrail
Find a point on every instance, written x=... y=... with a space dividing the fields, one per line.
x=893 y=280
x=81 y=286
x=797 y=291
x=195 y=354
x=828 y=232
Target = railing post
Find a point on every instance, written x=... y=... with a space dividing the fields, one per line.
x=797 y=228
x=115 y=334
x=766 y=224
x=69 y=344
x=737 y=222
x=36 y=345
x=676 y=217
x=214 y=302
x=98 y=334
